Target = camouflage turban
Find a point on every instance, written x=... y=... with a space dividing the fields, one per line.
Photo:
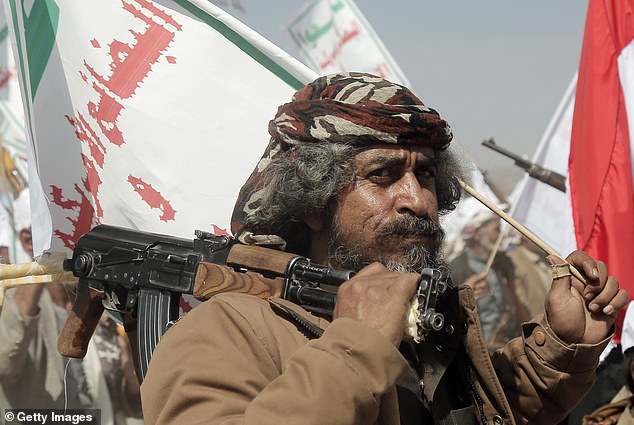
x=351 y=108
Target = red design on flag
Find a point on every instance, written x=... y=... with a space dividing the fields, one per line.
x=153 y=198
x=106 y=114
x=87 y=135
x=130 y=64
x=85 y=214
x=219 y=231
x=600 y=165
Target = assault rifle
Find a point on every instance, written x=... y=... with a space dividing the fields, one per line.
x=143 y=275
x=549 y=177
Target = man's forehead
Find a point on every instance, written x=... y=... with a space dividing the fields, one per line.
x=384 y=152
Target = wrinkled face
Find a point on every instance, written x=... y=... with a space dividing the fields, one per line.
x=390 y=212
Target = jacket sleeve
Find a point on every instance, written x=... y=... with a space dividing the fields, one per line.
x=218 y=366
x=543 y=377
x=16 y=333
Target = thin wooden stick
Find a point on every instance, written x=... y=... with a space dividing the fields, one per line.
x=520 y=228
x=494 y=251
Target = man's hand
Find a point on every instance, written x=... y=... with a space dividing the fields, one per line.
x=479 y=284
x=379 y=298
x=583 y=314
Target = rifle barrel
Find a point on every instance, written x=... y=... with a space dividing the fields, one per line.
x=550 y=177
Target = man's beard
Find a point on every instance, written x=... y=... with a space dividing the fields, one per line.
x=412 y=258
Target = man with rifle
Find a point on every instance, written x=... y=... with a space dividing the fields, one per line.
x=356 y=175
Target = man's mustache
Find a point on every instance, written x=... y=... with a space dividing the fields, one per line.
x=409 y=225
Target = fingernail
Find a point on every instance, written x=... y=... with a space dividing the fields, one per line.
x=594 y=307
x=588 y=296
x=608 y=309
x=595 y=272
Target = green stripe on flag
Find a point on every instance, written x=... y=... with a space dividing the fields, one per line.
x=40 y=28
x=242 y=44
x=21 y=65
x=4 y=32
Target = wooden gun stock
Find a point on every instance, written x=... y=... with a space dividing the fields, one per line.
x=81 y=322
x=266 y=260
x=213 y=279
x=258 y=262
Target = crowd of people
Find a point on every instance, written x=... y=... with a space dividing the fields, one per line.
x=33 y=375
x=356 y=175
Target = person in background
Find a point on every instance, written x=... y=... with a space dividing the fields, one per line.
x=33 y=375
x=499 y=309
x=532 y=275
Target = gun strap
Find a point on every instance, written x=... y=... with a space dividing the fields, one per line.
x=309 y=329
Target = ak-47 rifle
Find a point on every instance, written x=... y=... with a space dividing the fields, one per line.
x=549 y=177
x=143 y=275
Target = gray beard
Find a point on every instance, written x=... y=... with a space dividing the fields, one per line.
x=415 y=258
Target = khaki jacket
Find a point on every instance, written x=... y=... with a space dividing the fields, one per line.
x=616 y=413
x=234 y=360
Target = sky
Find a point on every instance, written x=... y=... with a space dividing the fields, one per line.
x=492 y=68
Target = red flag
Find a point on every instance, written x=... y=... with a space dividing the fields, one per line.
x=600 y=164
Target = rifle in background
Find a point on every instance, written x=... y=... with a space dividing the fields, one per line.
x=551 y=178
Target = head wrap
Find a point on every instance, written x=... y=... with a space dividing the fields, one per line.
x=476 y=221
x=352 y=108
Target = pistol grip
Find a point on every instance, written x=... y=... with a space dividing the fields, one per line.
x=81 y=322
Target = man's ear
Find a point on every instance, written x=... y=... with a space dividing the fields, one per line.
x=315 y=223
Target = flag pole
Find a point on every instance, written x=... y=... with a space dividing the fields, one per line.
x=519 y=227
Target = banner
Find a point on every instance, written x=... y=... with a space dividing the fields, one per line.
x=144 y=114
x=333 y=36
x=600 y=161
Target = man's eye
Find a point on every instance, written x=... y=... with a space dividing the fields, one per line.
x=426 y=173
x=380 y=174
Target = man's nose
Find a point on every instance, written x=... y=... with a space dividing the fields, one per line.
x=412 y=198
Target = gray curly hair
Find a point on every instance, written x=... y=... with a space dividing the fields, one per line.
x=306 y=180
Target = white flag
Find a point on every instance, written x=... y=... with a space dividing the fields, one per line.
x=144 y=114
x=541 y=208
x=333 y=36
